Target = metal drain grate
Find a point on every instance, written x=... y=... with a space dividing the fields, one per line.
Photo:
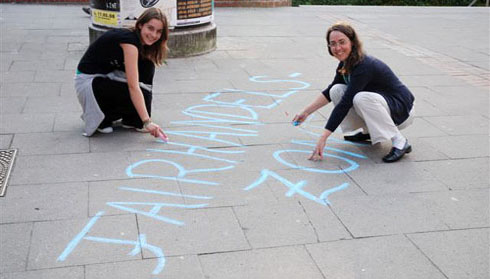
x=7 y=157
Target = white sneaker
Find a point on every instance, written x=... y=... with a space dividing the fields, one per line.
x=106 y=130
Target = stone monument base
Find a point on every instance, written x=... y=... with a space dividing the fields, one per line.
x=182 y=42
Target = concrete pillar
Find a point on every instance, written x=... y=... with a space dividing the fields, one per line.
x=191 y=22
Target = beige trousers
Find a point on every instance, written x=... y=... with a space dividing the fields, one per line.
x=369 y=112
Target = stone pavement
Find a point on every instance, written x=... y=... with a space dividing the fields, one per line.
x=232 y=194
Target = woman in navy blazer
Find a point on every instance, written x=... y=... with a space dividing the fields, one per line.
x=367 y=96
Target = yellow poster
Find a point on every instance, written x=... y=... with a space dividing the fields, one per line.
x=106 y=18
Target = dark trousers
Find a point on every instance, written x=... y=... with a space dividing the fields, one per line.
x=115 y=102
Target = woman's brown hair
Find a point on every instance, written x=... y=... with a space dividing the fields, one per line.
x=356 y=55
x=156 y=52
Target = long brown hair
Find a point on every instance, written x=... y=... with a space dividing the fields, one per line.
x=156 y=52
x=357 y=54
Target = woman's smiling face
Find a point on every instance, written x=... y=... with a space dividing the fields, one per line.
x=151 y=31
x=339 y=45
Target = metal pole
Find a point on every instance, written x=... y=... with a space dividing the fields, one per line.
x=473 y=2
x=488 y=1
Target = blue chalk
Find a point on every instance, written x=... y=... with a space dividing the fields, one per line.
x=296 y=123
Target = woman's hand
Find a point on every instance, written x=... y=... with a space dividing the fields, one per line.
x=300 y=118
x=319 y=102
x=317 y=154
x=156 y=131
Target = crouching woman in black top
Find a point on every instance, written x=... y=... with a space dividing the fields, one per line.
x=367 y=95
x=115 y=75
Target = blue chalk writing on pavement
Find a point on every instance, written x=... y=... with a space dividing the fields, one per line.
x=296 y=188
x=182 y=172
x=138 y=245
x=71 y=246
x=156 y=207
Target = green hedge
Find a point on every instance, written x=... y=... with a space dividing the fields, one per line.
x=386 y=2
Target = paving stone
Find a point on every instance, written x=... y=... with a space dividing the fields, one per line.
x=230 y=190
x=180 y=165
x=183 y=267
x=459 y=254
x=12 y=105
x=274 y=263
x=20 y=76
x=404 y=177
x=68 y=122
x=71 y=63
x=69 y=168
x=68 y=89
x=55 y=273
x=387 y=214
x=339 y=156
x=44 y=202
x=461 y=147
x=53 y=75
x=22 y=89
x=202 y=86
x=180 y=101
x=274 y=133
x=421 y=151
x=314 y=185
x=166 y=116
x=14 y=240
x=439 y=80
x=51 y=104
x=377 y=257
x=127 y=140
x=208 y=230
x=47 y=251
x=50 y=143
x=459 y=125
x=310 y=68
x=422 y=128
x=460 y=209
x=5 y=65
x=5 y=141
x=272 y=225
x=446 y=100
x=205 y=136
x=461 y=174
x=40 y=65
x=10 y=46
x=425 y=108
x=131 y=190
x=63 y=39
x=259 y=157
x=26 y=123
x=326 y=225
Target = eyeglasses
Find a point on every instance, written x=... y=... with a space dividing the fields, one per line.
x=340 y=43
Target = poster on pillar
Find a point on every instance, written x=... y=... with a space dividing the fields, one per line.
x=193 y=12
x=123 y=13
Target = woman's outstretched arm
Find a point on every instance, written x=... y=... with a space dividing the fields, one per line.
x=319 y=102
x=131 y=67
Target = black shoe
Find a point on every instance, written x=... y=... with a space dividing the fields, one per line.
x=359 y=137
x=86 y=10
x=396 y=154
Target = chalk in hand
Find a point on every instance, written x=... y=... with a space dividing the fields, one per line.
x=163 y=137
x=296 y=123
